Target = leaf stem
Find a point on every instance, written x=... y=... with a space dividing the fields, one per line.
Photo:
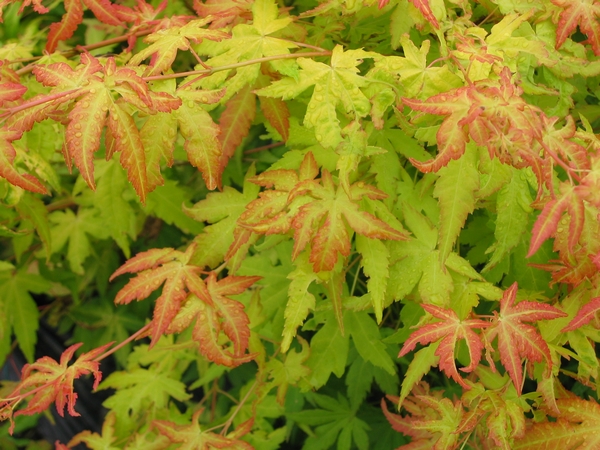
x=124 y=343
x=236 y=65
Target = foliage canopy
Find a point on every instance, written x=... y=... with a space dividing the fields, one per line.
x=345 y=224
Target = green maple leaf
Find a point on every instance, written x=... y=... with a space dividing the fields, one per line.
x=116 y=214
x=513 y=209
x=300 y=300
x=249 y=42
x=221 y=210
x=74 y=229
x=335 y=420
x=367 y=340
x=166 y=202
x=95 y=441
x=289 y=372
x=455 y=190
x=165 y=43
x=138 y=387
x=413 y=73
x=337 y=84
x=329 y=352
x=19 y=311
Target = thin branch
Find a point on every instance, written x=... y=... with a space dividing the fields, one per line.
x=264 y=147
x=235 y=65
x=124 y=343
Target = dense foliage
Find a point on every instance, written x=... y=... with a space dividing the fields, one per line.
x=346 y=224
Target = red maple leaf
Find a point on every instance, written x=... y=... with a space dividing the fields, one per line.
x=185 y=296
x=546 y=224
x=486 y=112
x=582 y=13
x=48 y=381
x=104 y=11
x=192 y=437
x=517 y=340
x=215 y=314
x=450 y=330
x=432 y=422
x=585 y=315
x=103 y=93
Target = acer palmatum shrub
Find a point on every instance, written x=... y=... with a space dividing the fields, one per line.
x=346 y=224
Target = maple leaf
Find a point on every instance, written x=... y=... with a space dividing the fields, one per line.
x=320 y=222
x=491 y=113
x=450 y=331
x=547 y=222
x=165 y=43
x=96 y=86
x=582 y=13
x=433 y=422
x=155 y=267
x=577 y=427
x=104 y=11
x=217 y=313
x=9 y=171
x=200 y=133
x=222 y=210
x=455 y=190
x=138 y=387
x=225 y=12
x=94 y=440
x=584 y=315
x=19 y=311
x=333 y=417
x=192 y=437
x=174 y=310
x=50 y=381
x=235 y=122
x=249 y=42
x=74 y=229
x=517 y=340
x=337 y=84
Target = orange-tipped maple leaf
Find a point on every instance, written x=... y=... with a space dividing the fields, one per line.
x=491 y=113
x=225 y=12
x=7 y=168
x=192 y=437
x=104 y=94
x=165 y=42
x=235 y=122
x=324 y=216
x=49 y=381
x=104 y=11
x=450 y=330
x=546 y=224
x=582 y=13
x=585 y=315
x=186 y=297
x=578 y=427
x=433 y=422
x=517 y=340
x=321 y=223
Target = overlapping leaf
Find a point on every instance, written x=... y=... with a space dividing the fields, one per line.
x=450 y=330
x=192 y=437
x=186 y=296
x=517 y=340
x=335 y=85
x=95 y=87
